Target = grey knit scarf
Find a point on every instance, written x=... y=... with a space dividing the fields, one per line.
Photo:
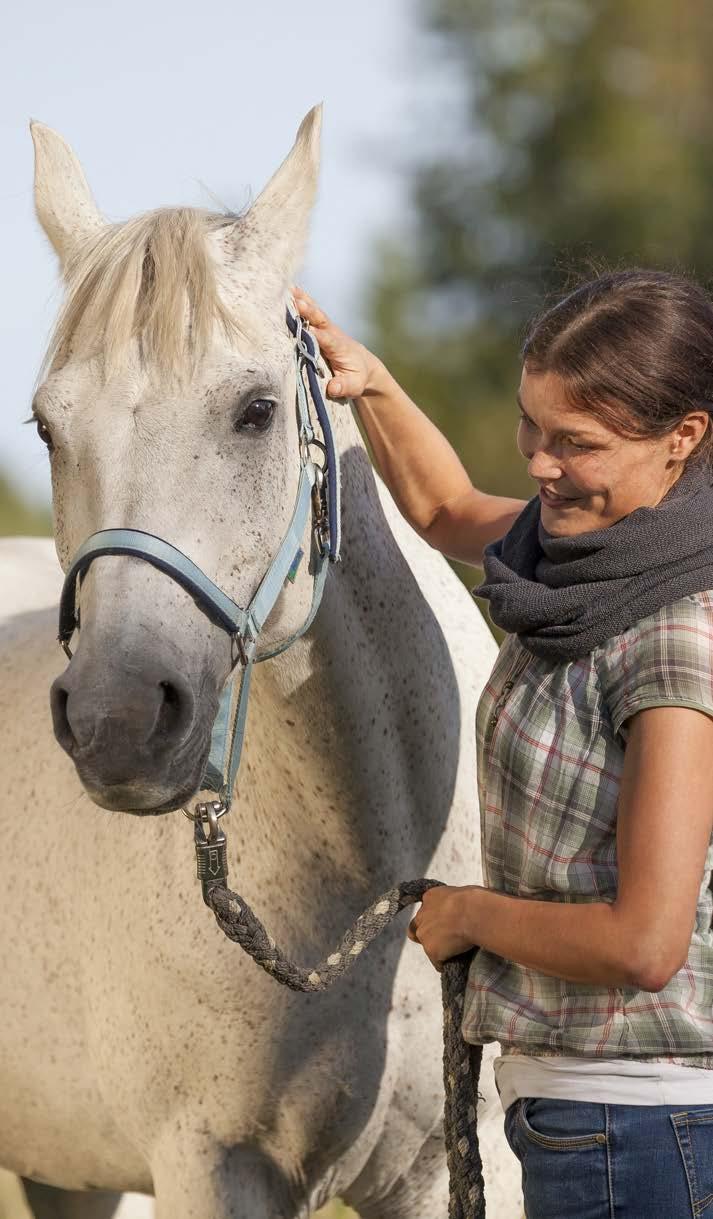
x=563 y=596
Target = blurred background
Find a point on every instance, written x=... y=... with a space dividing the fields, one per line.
x=479 y=157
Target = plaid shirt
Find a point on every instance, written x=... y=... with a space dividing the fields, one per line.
x=550 y=747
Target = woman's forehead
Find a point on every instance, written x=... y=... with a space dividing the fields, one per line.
x=543 y=397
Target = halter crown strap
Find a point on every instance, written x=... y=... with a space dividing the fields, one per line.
x=308 y=349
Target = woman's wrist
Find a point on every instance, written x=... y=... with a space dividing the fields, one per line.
x=471 y=903
x=378 y=379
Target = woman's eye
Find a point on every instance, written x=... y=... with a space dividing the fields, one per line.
x=572 y=443
x=256 y=417
x=44 y=434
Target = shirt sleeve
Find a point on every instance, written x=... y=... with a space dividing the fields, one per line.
x=663 y=660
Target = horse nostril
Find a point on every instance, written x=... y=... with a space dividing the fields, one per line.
x=60 y=719
x=175 y=715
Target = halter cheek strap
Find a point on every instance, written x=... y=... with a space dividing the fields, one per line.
x=318 y=498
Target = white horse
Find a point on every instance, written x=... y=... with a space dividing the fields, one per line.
x=140 y=1050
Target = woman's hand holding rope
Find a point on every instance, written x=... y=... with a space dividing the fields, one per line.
x=444 y=923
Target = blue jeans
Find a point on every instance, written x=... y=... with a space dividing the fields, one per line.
x=586 y=1161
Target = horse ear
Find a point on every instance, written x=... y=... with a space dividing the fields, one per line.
x=276 y=227
x=63 y=201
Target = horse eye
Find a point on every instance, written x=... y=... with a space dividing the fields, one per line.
x=256 y=417
x=44 y=434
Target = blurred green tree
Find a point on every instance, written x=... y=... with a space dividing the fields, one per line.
x=19 y=517
x=585 y=145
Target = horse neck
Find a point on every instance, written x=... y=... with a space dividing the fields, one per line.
x=345 y=711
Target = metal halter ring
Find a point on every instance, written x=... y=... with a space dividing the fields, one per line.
x=318 y=444
x=209 y=812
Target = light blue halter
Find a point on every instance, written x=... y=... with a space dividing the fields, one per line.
x=318 y=496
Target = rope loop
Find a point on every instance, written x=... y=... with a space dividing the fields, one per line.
x=461 y=1061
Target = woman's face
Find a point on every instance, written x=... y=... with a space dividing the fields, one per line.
x=599 y=475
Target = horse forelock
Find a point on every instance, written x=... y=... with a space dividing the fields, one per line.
x=151 y=280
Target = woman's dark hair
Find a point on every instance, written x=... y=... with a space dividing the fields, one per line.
x=634 y=348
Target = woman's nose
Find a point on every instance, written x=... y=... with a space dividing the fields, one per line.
x=543 y=465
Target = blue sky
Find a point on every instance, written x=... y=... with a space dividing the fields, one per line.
x=179 y=99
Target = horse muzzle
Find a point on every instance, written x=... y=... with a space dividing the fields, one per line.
x=135 y=730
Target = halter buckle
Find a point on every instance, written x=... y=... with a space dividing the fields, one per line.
x=240 y=645
x=310 y=357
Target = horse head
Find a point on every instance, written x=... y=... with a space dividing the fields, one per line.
x=166 y=402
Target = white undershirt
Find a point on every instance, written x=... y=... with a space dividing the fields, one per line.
x=606 y=1081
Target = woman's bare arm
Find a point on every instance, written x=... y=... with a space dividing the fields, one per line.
x=424 y=474
x=641 y=938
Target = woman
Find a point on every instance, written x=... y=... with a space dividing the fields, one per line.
x=595 y=740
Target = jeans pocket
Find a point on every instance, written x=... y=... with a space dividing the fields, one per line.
x=562 y=1125
x=694 y=1132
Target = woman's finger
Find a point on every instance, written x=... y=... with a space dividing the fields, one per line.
x=312 y=313
x=345 y=385
x=310 y=310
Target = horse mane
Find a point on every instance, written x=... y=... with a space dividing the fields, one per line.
x=150 y=278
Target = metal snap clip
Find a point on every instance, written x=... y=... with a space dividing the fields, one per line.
x=207 y=812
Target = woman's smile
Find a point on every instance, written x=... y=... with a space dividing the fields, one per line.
x=556 y=501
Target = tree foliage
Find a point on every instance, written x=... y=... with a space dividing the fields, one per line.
x=586 y=145
x=18 y=517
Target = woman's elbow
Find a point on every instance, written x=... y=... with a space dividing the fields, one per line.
x=652 y=970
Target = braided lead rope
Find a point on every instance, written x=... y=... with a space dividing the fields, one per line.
x=461 y=1061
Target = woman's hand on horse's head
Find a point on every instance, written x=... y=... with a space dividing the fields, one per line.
x=352 y=364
